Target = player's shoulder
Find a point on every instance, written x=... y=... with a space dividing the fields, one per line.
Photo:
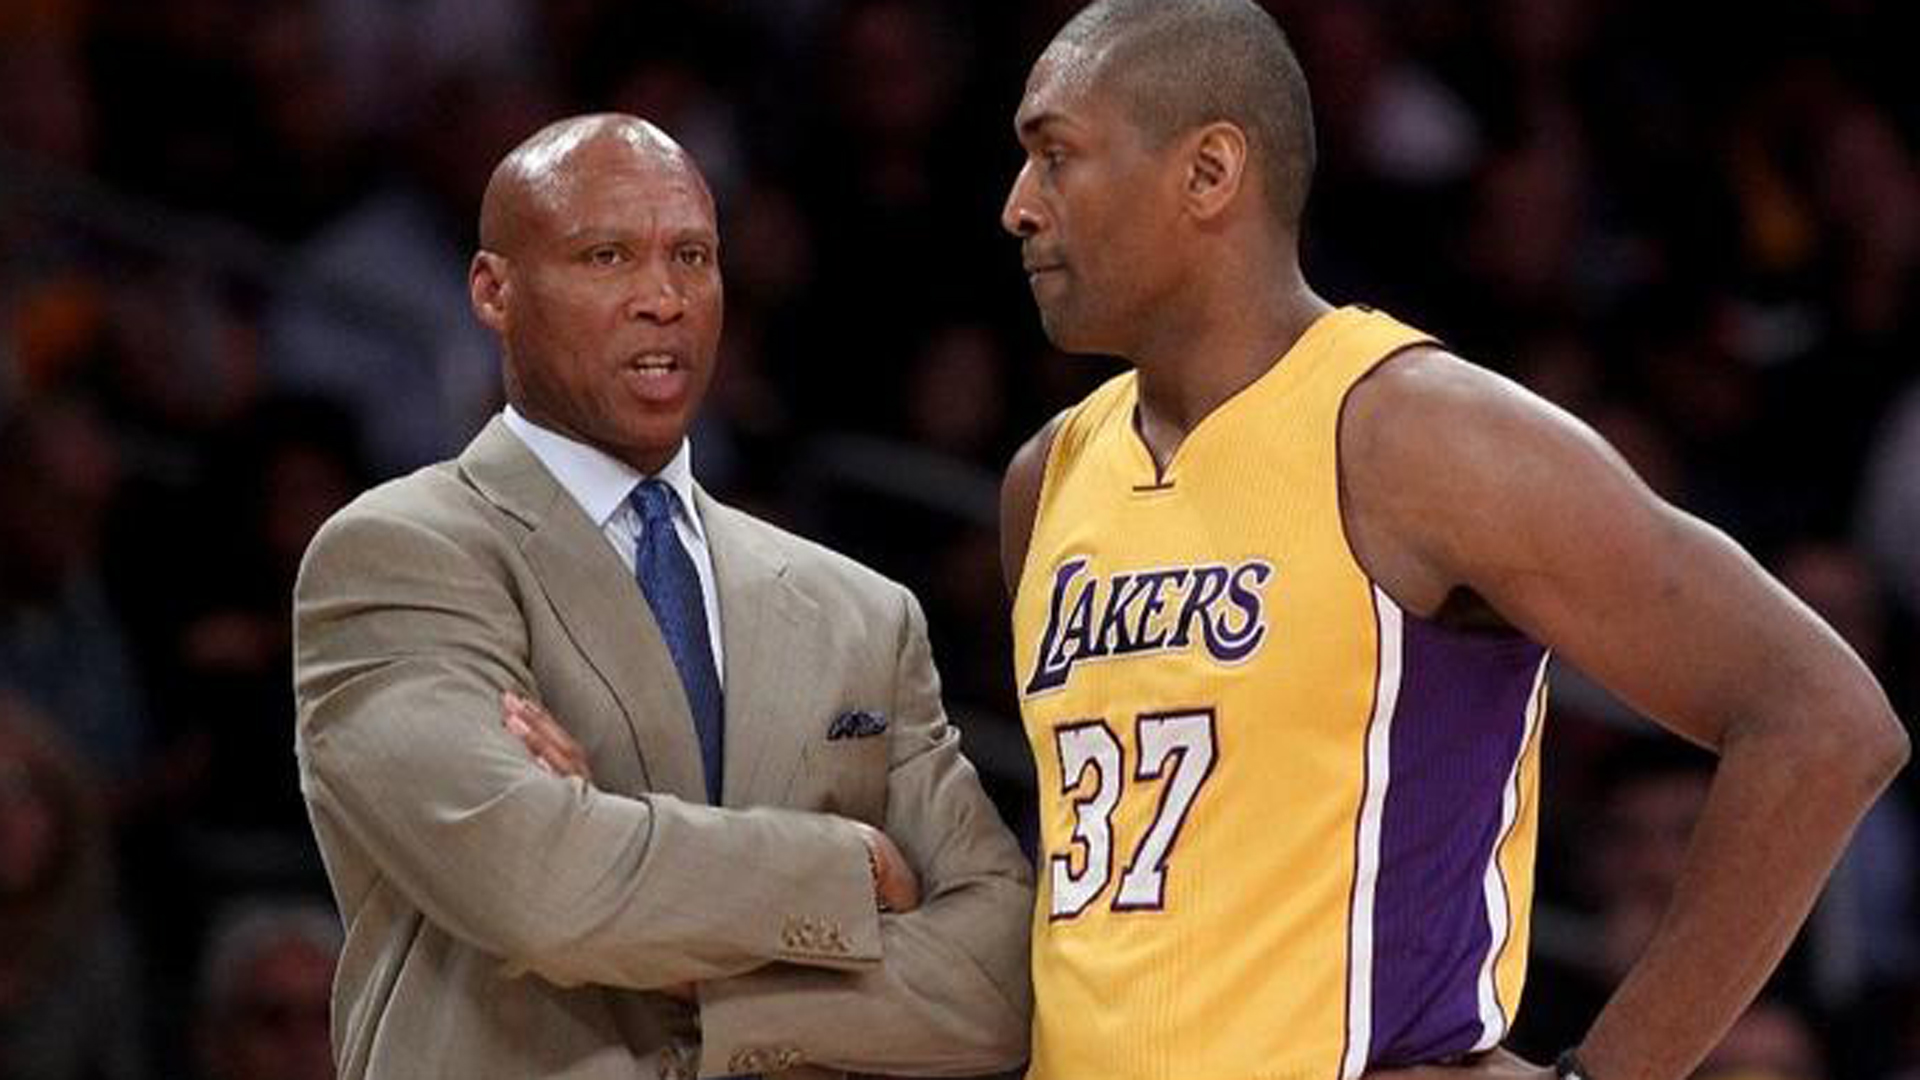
x=1029 y=462
x=1427 y=375
x=1064 y=433
x=1425 y=406
x=1441 y=453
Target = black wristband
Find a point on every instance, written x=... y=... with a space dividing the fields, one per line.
x=1569 y=1067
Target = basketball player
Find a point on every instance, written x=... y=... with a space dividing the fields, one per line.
x=1284 y=595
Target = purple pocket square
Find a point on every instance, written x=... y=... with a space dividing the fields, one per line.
x=858 y=724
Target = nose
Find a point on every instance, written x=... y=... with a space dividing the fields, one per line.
x=657 y=295
x=1021 y=215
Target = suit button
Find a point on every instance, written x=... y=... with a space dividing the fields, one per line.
x=674 y=1065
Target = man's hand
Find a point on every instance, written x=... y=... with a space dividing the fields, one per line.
x=1498 y=1064
x=895 y=886
x=548 y=742
x=558 y=753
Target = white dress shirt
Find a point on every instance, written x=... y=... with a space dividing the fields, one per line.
x=600 y=483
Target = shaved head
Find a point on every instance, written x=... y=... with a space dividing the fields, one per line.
x=531 y=181
x=1175 y=65
x=599 y=269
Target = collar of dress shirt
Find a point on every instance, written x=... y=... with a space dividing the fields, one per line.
x=597 y=480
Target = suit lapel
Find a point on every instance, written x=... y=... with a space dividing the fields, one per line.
x=764 y=626
x=599 y=604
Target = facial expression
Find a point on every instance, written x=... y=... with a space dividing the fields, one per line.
x=1090 y=206
x=277 y=1024
x=608 y=300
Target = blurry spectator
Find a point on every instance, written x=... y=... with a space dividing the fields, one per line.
x=208 y=567
x=376 y=313
x=389 y=49
x=61 y=645
x=1868 y=193
x=67 y=1006
x=1648 y=794
x=676 y=94
x=1861 y=945
x=223 y=107
x=1771 y=1041
x=1890 y=518
x=1902 y=1037
x=273 y=479
x=46 y=105
x=893 y=179
x=265 y=985
x=956 y=396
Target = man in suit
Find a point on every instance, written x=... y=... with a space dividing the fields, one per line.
x=774 y=783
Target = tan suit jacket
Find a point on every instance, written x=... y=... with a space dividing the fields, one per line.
x=505 y=922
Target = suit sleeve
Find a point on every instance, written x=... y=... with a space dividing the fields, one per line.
x=952 y=995
x=405 y=639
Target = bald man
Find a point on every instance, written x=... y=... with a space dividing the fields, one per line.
x=774 y=788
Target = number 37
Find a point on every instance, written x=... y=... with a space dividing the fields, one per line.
x=1177 y=748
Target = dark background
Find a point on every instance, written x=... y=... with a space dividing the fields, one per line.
x=233 y=239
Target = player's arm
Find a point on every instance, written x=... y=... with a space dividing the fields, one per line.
x=1020 y=501
x=1457 y=480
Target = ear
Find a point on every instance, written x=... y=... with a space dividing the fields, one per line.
x=488 y=289
x=1216 y=168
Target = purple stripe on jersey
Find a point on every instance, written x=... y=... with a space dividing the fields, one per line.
x=1457 y=728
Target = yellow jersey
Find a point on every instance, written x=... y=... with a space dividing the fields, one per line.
x=1287 y=829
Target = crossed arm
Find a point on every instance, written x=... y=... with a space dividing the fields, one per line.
x=407 y=639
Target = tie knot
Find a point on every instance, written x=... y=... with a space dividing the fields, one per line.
x=654 y=500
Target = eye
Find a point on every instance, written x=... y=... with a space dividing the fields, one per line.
x=1052 y=158
x=606 y=255
x=694 y=255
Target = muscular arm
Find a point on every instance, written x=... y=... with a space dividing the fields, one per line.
x=1020 y=501
x=1456 y=479
x=405 y=640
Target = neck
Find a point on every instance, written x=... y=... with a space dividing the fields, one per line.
x=1202 y=361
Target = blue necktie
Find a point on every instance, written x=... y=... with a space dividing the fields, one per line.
x=672 y=587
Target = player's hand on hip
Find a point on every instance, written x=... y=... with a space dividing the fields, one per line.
x=1497 y=1064
x=548 y=742
x=895 y=886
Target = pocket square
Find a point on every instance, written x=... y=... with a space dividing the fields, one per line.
x=858 y=724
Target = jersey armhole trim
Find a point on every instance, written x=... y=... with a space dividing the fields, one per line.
x=1339 y=485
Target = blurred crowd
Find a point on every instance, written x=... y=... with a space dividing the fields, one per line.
x=233 y=240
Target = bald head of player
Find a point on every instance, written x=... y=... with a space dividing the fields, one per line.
x=599 y=270
x=1169 y=153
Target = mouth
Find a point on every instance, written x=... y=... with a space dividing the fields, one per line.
x=1039 y=272
x=655 y=376
x=1036 y=262
x=653 y=363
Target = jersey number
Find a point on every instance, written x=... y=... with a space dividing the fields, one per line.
x=1177 y=748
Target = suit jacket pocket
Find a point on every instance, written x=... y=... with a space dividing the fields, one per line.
x=844 y=776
